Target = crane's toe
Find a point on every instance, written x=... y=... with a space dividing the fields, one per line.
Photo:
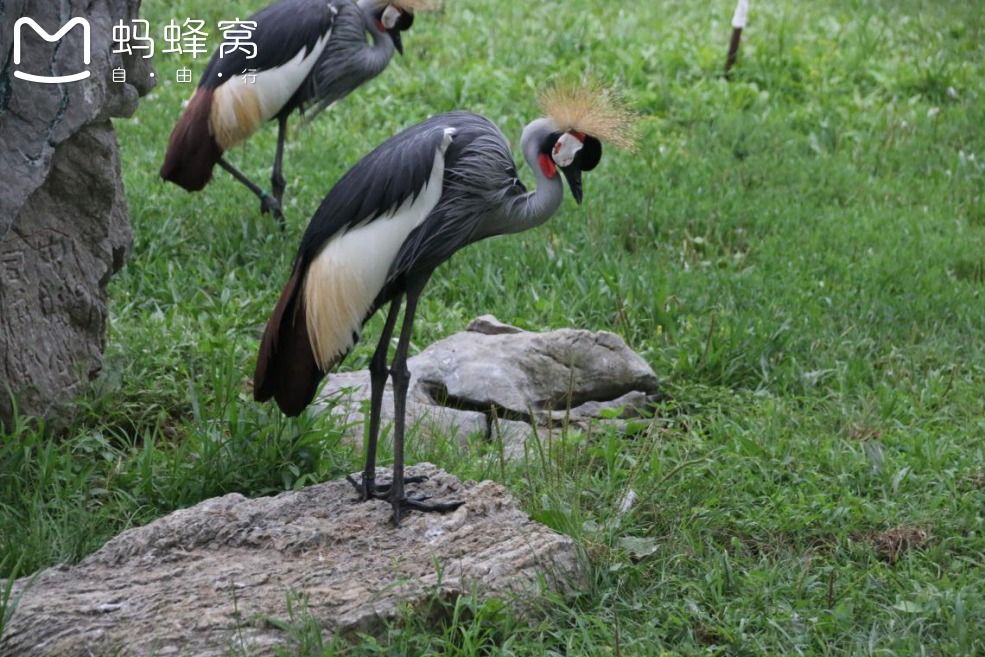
x=369 y=489
x=419 y=504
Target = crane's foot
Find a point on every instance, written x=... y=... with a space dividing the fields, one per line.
x=270 y=205
x=369 y=489
x=420 y=504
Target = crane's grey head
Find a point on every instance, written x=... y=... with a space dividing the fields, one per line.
x=390 y=18
x=570 y=151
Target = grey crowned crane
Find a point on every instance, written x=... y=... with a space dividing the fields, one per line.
x=309 y=54
x=391 y=220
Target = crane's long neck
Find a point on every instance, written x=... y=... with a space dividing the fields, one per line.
x=535 y=207
x=376 y=57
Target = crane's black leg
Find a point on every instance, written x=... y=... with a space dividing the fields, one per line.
x=267 y=202
x=378 y=373
x=277 y=182
x=401 y=381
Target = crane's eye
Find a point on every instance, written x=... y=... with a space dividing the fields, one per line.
x=548 y=146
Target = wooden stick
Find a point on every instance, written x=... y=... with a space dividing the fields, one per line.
x=738 y=23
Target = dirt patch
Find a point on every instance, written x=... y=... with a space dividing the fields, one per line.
x=708 y=636
x=863 y=432
x=974 y=480
x=892 y=544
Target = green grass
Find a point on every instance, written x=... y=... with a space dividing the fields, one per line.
x=799 y=253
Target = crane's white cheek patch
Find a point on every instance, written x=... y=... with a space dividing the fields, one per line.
x=346 y=277
x=565 y=149
x=390 y=17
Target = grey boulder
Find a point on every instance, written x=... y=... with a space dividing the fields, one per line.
x=504 y=382
x=64 y=226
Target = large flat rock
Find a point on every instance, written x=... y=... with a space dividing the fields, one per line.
x=202 y=580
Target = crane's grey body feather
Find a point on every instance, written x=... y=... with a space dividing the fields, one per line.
x=480 y=182
x=348 y=60
x=482 y=196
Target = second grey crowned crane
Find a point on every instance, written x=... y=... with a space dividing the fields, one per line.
x=309 y=54
x=391 y=220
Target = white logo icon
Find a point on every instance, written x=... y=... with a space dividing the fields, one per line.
x=51 y=38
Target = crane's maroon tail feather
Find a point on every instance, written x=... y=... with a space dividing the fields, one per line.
x=192 y=150
x=286 y=369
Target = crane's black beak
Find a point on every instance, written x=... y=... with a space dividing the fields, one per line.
x=572 y=174
x=397 y=42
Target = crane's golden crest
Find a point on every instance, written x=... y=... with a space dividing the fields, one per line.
x=417 y=5
x=591 y=109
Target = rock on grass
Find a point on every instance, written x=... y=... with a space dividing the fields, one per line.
x=220 y=574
